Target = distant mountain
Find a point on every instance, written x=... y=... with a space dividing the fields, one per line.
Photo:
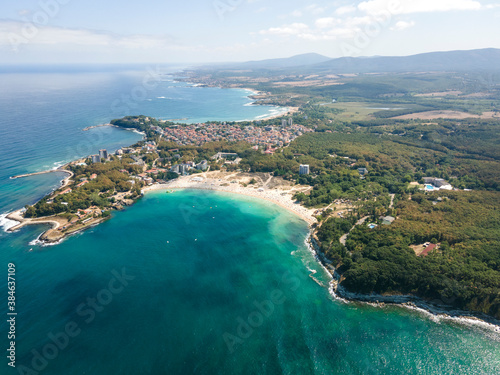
x=472 y=60
x=283 y=63
x=480 y=59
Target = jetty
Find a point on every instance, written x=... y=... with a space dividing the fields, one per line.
x=43 y=172
x=97 y=126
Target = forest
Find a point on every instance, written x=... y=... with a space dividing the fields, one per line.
x=464 y=272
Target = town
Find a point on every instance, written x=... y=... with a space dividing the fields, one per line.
x=199 y=134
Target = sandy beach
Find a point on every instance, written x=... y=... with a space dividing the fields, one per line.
x=272 y=189
x=289 y=112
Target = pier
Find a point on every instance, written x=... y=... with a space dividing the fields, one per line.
x=43 y=172
x=98 y=126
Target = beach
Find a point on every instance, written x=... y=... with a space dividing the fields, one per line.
x=289 y=112
x=267 y=187
x=259 y=95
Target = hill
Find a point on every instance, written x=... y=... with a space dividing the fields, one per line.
x=481 y=59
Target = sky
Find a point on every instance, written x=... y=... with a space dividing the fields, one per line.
x=200 y=31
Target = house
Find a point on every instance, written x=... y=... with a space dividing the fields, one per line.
x=362 y=171
x=82 y=183
x=93 y=176
x=433 y=183
x=388 y=220
x=224 y=155
x=66 y=191
x=428 y=249
x=202 y=166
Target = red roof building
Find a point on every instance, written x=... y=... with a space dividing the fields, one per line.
x=428 y=249
x=82 y=183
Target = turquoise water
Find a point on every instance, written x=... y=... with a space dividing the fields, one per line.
x=208 y=283
x=198 y=264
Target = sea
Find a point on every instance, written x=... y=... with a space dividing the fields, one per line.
x=189 y=282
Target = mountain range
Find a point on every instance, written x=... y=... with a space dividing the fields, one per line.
x=471 y=60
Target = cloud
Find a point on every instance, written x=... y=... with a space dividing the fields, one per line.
x=377 y=7
x=262 y=10
x=287 y=30
x=12 y=32
x=349 y=21
x=402 y=25
x=325 y=22
x=315 y=9
x=345 y=10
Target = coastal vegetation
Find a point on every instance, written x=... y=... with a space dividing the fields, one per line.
x=92 y=185
x=464 y=272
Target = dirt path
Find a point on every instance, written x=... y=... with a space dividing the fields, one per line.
x=343 y=239
x=267 y=181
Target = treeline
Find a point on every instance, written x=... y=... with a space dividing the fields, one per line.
x=465 y=270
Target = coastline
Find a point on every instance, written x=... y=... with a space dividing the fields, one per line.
x=289 y=112
x=221 y=182
x=52 y=235
x=434 y=309
x=254 y=93
x=279 y=196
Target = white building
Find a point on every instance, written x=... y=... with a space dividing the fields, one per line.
x=304 y=169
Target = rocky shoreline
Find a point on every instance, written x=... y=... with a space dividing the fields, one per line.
x=436 y=309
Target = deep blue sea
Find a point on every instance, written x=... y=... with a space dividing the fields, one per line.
x=193 y=282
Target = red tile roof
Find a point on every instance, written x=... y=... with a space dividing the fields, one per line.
x=428 y=249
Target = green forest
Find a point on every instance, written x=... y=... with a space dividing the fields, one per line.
x=464 y=272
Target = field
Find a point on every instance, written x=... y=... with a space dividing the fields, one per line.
x=448 y=114
x=357 y=111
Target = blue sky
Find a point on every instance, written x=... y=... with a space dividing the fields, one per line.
x=91 y=31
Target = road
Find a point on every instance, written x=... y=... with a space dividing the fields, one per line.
x=343 y=239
